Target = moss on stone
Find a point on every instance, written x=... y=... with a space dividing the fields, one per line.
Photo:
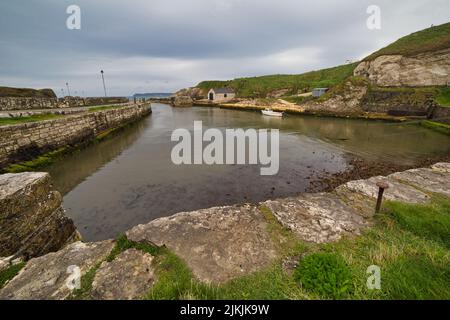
x=11 y=272
x=437 y=126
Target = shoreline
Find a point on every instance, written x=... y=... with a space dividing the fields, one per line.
x=300 y=112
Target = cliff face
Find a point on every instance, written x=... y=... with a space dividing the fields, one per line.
x=425 y=69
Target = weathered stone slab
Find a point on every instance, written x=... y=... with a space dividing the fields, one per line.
x=218 y=244
x=397 y=191
x=44 y=278
x=318 y=218
x=441 y=167
x=426 y=179
x=130 y=276
x=32 y=220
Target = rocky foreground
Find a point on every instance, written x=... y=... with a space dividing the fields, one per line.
x=222 y=243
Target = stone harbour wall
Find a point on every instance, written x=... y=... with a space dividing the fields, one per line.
x=407 y=102
x=442 y=114
x=25 y=103
x=90 y=101
x=32 y=220
x=27 y=141
x=34 y=103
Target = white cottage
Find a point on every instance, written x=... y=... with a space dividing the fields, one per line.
x=221 y=94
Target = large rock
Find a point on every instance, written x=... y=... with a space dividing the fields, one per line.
x=129 y=276
x=218 y=244
x=32 y=219
x=397 y=191
x=183 y=101
x=345 y=100
x=46 y=277
x=441 y=167
x=318 y=218
x=194 y=93
x=426 y=69
x=426 y=179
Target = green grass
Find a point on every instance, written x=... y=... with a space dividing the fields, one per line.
x=103 y=108
x=26 y=92
x=259 y=87
x=34 y=118
x=10 y=273
x=437 y=126
x=443 y=97
x=431 y=39
x=298 y=100
x=325 y=274
x=431 y=222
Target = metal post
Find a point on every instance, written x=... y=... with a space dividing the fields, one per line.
x=382 y=185
x=103 y=78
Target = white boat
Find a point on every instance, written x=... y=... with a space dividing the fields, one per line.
x=270 y=112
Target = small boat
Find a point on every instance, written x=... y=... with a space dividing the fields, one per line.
x=270 y=112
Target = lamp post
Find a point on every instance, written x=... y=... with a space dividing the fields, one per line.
x=68 y=89
x=103 y=78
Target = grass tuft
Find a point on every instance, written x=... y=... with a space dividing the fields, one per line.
x=325 y=274
x=10 y=273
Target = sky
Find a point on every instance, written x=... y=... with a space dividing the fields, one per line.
x=166 y=45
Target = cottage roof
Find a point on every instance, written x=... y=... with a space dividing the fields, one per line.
x=223 y=90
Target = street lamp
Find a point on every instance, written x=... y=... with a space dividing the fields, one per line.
x=103 y=78
x=68 y=89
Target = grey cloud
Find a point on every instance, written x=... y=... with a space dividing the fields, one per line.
x=162 y=45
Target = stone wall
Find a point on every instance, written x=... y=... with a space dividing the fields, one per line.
x=441 y=114
x=426 y=69
x=90 y=101
x=26 y=141
x=32 y=220
x=32 y=103
x=398 y=102
x=28 y=103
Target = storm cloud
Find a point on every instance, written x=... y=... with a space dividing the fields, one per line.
x=164 y=45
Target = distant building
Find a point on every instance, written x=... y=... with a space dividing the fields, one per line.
x=317 y=92
x=221 y=94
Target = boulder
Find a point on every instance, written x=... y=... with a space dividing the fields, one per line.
x=317 y=218
x=218 y=244
x=47 y=277
x=183 y=101
x=32 y=220
x=129 y=276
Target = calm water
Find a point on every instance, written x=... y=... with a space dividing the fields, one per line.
x=130 y=179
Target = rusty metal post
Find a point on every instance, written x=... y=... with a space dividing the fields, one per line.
x=382 y=185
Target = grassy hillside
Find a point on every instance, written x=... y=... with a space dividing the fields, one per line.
x=259 y=87
x=431 y=39
x=25 y=92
